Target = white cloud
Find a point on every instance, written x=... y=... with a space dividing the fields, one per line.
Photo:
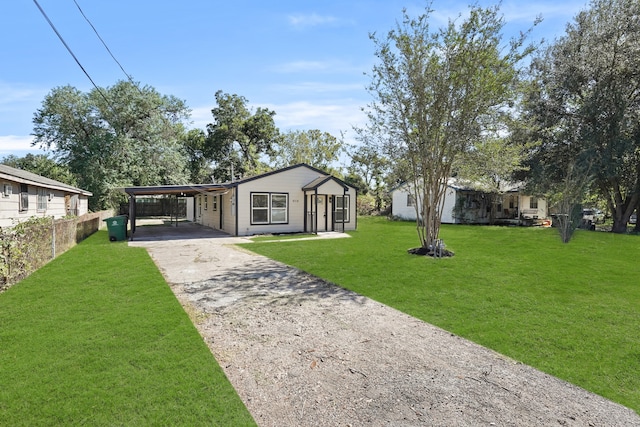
x=317 y=87
x=17 y=145
x=331 y=66
x=338 y=116
x=301 y=21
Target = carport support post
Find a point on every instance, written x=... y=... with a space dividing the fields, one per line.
x=132 y=214
x=344 y=202
x=315 y=208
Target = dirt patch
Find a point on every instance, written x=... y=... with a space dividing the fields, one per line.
x=301 y=351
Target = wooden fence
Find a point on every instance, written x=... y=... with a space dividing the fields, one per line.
x=30 y=245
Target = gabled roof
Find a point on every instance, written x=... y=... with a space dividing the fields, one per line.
x=318 y=182
x=192 y=189
x=465 y=185
x=30 y=178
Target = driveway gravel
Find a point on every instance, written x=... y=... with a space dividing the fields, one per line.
x=304 y=352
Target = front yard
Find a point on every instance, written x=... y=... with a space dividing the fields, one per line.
x=571 y=310
x=96 y=337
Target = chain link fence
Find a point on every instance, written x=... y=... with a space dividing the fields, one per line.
x=31 y=244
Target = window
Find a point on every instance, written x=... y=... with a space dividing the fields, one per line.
x=278 y=208
x=214 y=203
x=267 y=208
x=260 y=209
x=206 y=202
x=24 y=197
x=341 y=209
x=42 y=200
x=410 y=200
x=533 y=203
x=7 y=190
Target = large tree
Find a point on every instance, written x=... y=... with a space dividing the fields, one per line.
x=112 y=137
x=238 y=137
x=584 y=107
x=436 y=93
x=313 y=147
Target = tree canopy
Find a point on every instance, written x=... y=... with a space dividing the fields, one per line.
x=43 y=165
x=113 y=137
x=436 y=94
x=235 y=125
x=583 y=107
x=313 y=147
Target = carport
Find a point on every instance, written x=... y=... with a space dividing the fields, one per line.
x=176 y=191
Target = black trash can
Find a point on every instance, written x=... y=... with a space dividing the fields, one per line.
x=117 y=227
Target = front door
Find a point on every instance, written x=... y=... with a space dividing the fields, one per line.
x=319 y=213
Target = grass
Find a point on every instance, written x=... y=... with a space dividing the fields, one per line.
x=96 y=337
x=571 y=310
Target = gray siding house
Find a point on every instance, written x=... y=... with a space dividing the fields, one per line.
x=26 y=195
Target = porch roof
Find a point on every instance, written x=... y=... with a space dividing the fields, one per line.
x=318 y=182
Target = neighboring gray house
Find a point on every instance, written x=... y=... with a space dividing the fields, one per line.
x=26 y=195
x=464 y=205
x=297 y=198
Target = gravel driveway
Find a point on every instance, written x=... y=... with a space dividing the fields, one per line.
x=303 y=352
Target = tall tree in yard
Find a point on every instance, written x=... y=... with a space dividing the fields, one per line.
x=238 y=137
x=584 y=107
x=113 y=137
x=436 y=93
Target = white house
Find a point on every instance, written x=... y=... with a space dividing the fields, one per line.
x=26 y=195
x=298 y=198
x=464 y=205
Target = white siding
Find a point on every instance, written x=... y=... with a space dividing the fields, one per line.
x=290 y=182
x=10 y=213
x=400 y=208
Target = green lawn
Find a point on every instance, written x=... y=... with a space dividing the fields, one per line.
x=571 y=310
x=96 y=337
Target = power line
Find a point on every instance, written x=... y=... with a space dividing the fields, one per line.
x=71 y=52
x=104 y=44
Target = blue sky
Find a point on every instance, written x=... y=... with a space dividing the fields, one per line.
x=306 y=60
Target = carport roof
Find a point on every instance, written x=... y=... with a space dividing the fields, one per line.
x=181 y=190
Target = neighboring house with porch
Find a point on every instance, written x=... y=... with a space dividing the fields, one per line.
x=294 y=199
x=465 y=205
x=26 y=195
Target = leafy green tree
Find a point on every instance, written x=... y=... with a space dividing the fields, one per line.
x=114 y=137
x=584 y=105
x=43 y=165
x=238 y=137
x=313 y=147
x=435 y=93
x=195 y=145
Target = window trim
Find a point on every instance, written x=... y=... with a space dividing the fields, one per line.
x=269 y=208
x=411 y=201
x=42 y=199
x=342 y=209
x=7 y=190
x=24 y=198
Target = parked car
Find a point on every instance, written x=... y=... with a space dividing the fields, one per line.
x=593 y=216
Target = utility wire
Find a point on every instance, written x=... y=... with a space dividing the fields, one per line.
x=71 y=52
x=105 y=46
